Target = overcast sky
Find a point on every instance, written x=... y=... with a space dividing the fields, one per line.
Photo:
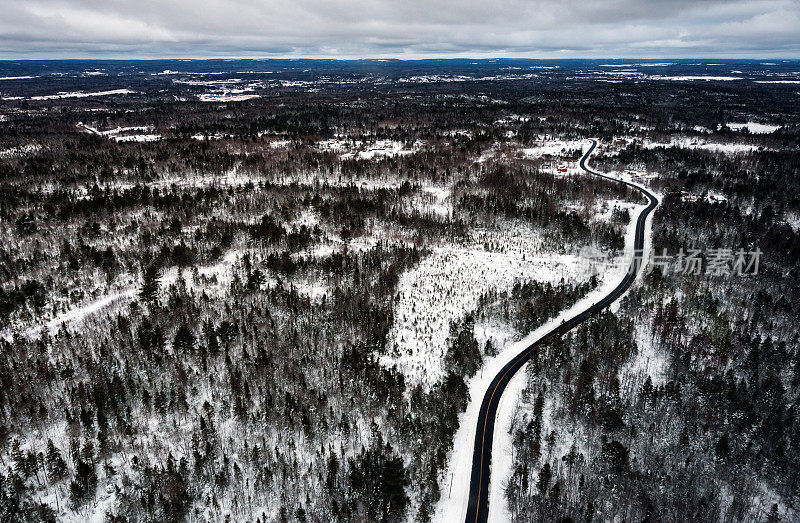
x=399 y=28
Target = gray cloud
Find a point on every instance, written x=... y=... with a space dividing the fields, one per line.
x=373 y=28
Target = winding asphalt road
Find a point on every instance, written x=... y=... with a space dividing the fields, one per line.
x=478 y=506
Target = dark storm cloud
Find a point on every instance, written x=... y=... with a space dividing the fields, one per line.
x=358 y=28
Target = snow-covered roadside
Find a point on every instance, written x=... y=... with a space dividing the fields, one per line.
x=502 y=443
x=453 y=504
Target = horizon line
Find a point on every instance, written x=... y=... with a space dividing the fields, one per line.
x=388 y=58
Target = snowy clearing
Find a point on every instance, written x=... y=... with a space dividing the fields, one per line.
x=82 y=95
x=370 y=150
x=647 y=362
x=693 y=78
x=694 y=143
x=138 y=138
x=446 y=285
x=123 y=134
x=434 y=200
x=553 y=148
x=212 y=97
x=754 y=127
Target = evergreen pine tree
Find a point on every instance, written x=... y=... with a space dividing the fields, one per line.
x=150 y=285
x=56 y=466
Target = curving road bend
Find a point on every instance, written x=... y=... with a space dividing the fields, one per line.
x=478 y=504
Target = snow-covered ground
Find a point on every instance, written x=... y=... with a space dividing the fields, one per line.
x=754 y=127
x=80 y=312
x=383 y=148
x=693 y=78
x=448 y=283
x=20 y=151
x=320 y=179
x=553 y=148
x=82 y=94
x=452 y=505
x=696 y=143
x=124 y=134
x=793 y=220
x=209 y=278
x=138 y=138
x=212 y=279
x=336 y=145
x=368 y=151
x=604 y=211
x=434 y=199
x=214 y=97
x=230 y=178
x=377 y=232
x=647 y=362
x=215 y=136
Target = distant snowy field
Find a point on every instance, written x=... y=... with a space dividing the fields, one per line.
x=754 y=127
x=695 y=143
x=78 y=94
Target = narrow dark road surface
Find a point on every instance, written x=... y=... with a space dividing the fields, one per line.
x=478 y=507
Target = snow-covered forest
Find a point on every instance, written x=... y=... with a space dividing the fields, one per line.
x=273 y=306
